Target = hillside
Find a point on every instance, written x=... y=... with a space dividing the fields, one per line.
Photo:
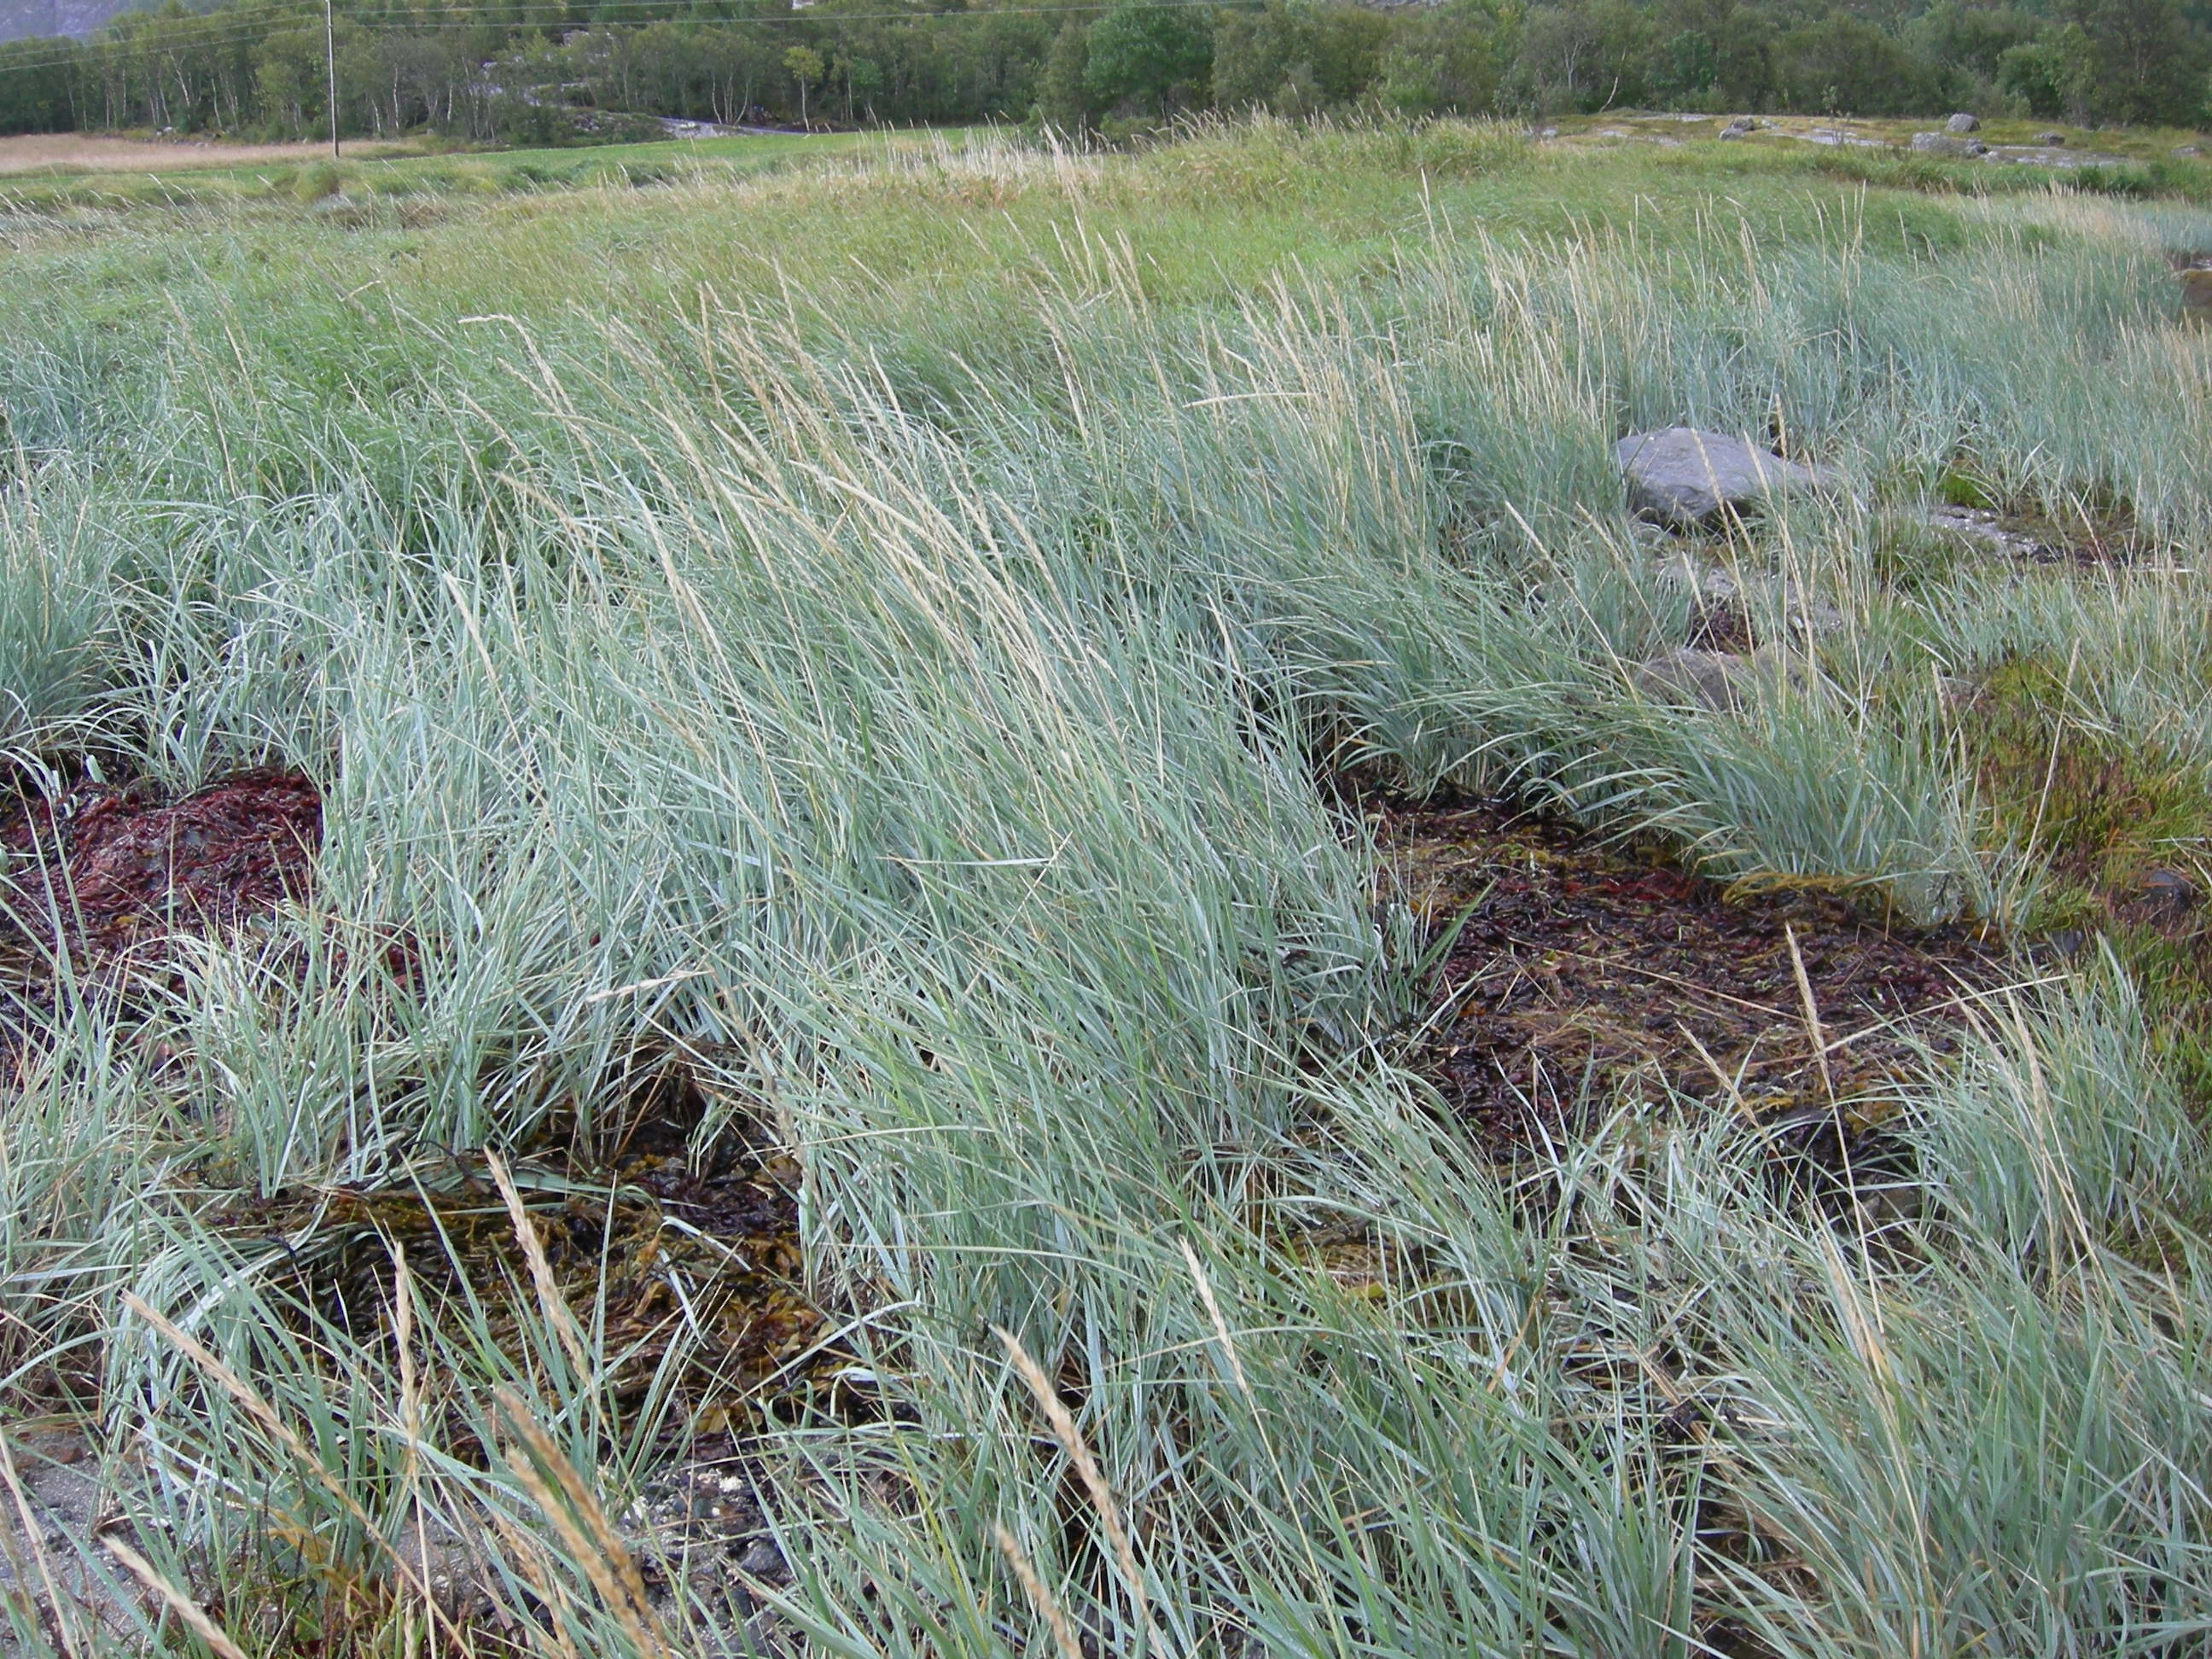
x=29 y=19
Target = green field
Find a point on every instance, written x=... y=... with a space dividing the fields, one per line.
x=926 y=896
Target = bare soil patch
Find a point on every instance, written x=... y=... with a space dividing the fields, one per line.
x=1581 y=966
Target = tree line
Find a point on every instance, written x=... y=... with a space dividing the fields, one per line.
x=541 y=71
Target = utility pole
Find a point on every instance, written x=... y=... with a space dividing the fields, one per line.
x=330 y=63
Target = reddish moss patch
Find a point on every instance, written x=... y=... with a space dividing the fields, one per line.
x=1579 y=962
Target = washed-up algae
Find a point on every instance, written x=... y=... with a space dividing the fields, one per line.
x=672 y=1247
x=1576 y=970
x=106 y=866
x=98 y=882
x=663 y=1253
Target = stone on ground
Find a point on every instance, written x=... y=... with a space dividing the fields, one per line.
x=1945 y=144
x=1681 y=476
x=1687 y=675
x=1963 y=122
x=1691 y=677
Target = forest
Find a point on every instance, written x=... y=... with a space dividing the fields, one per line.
x=543 y=72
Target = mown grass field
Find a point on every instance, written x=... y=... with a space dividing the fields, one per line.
x=938 y=900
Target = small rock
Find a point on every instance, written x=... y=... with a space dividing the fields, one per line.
x=1986 y=529
x=2169 y=891
x=2197 y=296
x=2188 y=149
x=1717 y=588
x=1943 y=144
x=2054 y=140
x=1709 y=583
x=1743 y=126
x=1682 y=476
x=1719 y=680
x=762 y=1559
x=1705 y=679
x=1963 y=122
x=1811 y=615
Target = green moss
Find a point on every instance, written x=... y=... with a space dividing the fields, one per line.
x=1961 y=487
x=2099 y=808
x=2102 y=815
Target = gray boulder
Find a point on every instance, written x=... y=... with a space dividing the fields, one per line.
x=1962 y=122
x=1719 y=680
x=1944 y=143
x=1687 y=675
x=1683 y=478
x=2188 y=149
x=2196 y=295
x=2053 y=140
x=1743 y=127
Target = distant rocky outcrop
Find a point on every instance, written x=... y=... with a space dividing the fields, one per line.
x=25 y=19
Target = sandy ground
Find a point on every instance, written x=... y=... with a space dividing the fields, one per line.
x=70 y=152
x=50 y=1514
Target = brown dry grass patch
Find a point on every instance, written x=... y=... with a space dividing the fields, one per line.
x=78 y=152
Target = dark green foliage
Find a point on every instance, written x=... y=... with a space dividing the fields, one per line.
x=1586 y=54
x=1149 y=59
x=1685 y=68
x=1449 y=59
x=486 y=72
x=1959 y=48
x=2054 y=74
x=1062 y=98
x=2149 y=63
x=1844 y=65
x=38 y=84
x=1297 y=57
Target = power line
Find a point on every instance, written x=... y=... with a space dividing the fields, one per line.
x=236 y=36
